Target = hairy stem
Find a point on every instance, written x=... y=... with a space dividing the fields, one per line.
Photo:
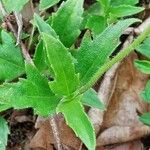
x=126 y=51
x=55 y=133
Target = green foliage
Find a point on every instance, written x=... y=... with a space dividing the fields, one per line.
x=110 y=11
x=90 y=98
x=93 y=54
x=144 y=48
x=60 y=66
x=143 y=66
x=68 y=19
x=66 y=81
x=146 y=93
x=78 y=122
x=11 y=60
x=27 y=92
x=4 y=131
x=145 y=118
x=12 y=5
x=44 y=4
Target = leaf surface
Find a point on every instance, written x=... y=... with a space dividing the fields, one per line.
x=44 y=4
x=92 y=55
x=14 y=5
x=67 y=21
x=31 y=92
x=143 y=66
x=4 y=131
x=145 y=118
x=77 y=119
x=125 y=10
x=144 y=48
x=11 y=60
x=60 y=59
x=90 y=98
x=146 y=93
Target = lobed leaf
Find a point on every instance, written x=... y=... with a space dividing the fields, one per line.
x=77 y=119
x=31 y=92
x=66 y=81
x=143 y=66
x=90 y=98
x=4 y=131
x=67 y=21
x=93 y=54
x=11 y=59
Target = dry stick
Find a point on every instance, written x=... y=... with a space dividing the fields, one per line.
x=107 y=87
x=29 y=60
x=55 y=133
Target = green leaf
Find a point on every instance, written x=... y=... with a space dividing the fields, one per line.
x=67 y=21
x=124 y=2
x=11 y=60
x=12 y=5
x=90 y=98
x=143 y=66
x=4 y=131
x=77 y=119
x=44 y=4
x=39 y=57
x=144 y=48
x=125 y=10
x=31 y=92
x=94 y=54
x=97 y=24
x=105 y=4
x=43 y=26
x=145 y=118
x=60 y=59
x=146 y=93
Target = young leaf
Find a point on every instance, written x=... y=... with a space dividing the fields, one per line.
x=11 y=60
x=144 y=48
x=44 y=4
x=97 y=24
x=143 y=66
x=39 y=57
x=125 y=10
x=94 y=54
x=67 y=21
x=90 y=98
x=31 y=92
x=66 y=81
x=43 y=26
x=124 y=2
x=145 y=118
x=146 y=93
x=16 y=5
x=77 y=119
x=4 y=131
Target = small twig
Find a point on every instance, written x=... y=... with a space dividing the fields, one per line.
x=11 y=27
x=19 y=21
x=55 y=133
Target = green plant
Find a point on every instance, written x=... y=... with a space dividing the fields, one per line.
x=144 y=67
x=71 y=71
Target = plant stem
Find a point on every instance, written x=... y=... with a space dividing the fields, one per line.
x=117 y=58
x=55 y=133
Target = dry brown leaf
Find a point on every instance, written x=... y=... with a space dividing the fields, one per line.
x=44 y=136
x=121 y=123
